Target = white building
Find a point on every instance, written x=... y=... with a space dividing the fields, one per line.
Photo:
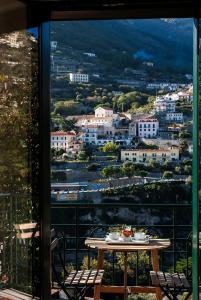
x=103 y=112
x=102 y=117
x=90 y=133
x=62 y=140
x=147 y=128
x=78 y=77
x=164 y=104
x=174 y=117
x=145 y=155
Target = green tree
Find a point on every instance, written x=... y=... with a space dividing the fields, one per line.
x=178 y=169
x=188 y=170
x=82 y=155
x=128 y=169
x=110 y=147
x=68 y=108
x=132 y=99
x=183 y=146
x=93 y=167
x=167 y=175
x=142 y=173
x=111 y=171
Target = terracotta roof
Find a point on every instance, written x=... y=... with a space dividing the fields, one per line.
x=62 y=133
x=106 y=108
x=150 y=150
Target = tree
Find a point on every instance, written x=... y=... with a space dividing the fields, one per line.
x=128 y=169
x=82 y=155
x=69 y=125
x=111 y=171
x=167 y=175
x=142 y=173
x=153 y=164
x=133 y=99
x=188 y=170
x=93 y=167
x=110 y=147
x=183 y=146
x=178 y=170
x=68 y=108
x=60 y=152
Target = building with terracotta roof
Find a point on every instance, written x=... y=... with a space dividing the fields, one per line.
x=61 y=139
x=145 y=155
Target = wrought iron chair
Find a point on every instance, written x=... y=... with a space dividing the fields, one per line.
x=172 y=284
x=81 y=281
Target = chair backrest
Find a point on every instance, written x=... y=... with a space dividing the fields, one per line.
x=54 y=244
x=26 y=230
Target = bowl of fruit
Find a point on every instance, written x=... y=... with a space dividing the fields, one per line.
x=127 y=233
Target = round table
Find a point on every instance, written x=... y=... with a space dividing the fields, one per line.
x=102 y=246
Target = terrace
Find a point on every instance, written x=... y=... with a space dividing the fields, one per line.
x=167 y=208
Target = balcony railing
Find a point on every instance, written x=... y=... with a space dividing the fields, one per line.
x=75 y=222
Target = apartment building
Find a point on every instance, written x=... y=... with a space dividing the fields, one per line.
x=61 y=139
x=174 y=117
x=145 y=155
x=147 y=128
x=164 y=104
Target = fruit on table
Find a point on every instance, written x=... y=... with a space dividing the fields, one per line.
x=127 y=232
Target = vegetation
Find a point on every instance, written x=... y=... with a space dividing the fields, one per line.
x=93 y=167
x=68 y=108
x=167 y=175
x=110 y=147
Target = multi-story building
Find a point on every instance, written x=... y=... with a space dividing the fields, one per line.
x=79 y=77
x=132 y=129
x=164 y=104
x=174 y=117
x=90 y=133
x=147 y=128
x=103 y=116
x=61 y=139
x=145 y=155
x=103 y=112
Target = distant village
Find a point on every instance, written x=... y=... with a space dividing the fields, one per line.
x=128 y=131
x=108 y=146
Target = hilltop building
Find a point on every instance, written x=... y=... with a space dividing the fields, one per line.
x=103 y=116
x=164 y=104
x=103 y=112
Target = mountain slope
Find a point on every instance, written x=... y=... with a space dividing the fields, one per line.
x=167 y=44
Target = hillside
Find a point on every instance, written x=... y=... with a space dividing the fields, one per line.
x=167 y=44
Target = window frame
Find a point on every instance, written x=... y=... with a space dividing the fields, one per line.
x=64 y=15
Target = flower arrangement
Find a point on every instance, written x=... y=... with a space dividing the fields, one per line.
x=127 y=229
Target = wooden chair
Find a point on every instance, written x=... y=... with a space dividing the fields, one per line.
x=172 y=284
x=80 y=281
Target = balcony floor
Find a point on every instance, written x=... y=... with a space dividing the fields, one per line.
x=11 y=294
